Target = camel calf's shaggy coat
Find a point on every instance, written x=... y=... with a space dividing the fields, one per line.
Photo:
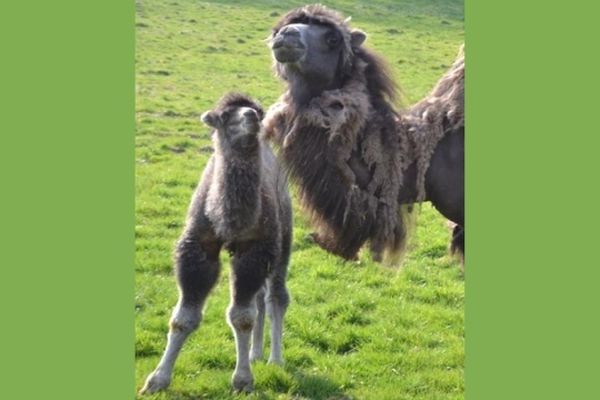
x=242 y=204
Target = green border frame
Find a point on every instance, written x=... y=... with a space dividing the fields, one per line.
x=66 y=165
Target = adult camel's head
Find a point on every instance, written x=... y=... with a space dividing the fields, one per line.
x=314 y=50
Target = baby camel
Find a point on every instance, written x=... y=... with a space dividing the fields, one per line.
x=242 y=204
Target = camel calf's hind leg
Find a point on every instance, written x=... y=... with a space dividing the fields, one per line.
x=197 y=271
x=277 y=302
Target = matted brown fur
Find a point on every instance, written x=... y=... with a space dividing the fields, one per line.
x=317 y=146
x=348 y=148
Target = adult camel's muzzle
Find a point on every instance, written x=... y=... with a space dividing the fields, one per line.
x=287 y=45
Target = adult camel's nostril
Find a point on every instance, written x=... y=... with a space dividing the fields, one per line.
x=290 y=31
x=277 y=42
x=288 y=36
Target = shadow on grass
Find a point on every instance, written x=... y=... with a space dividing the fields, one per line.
x=300 y=384
x=315 y=386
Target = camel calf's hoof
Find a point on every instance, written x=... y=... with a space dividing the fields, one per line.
x=155 y=382
x=256 y=356
x=276 y=361
x=242 y=384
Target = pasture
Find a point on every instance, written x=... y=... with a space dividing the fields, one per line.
x=353 y=330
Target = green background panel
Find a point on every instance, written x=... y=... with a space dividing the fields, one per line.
x=532 y=275
x=66 y=165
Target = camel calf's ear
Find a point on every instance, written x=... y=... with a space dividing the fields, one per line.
x=357 y=37
x=211 y=119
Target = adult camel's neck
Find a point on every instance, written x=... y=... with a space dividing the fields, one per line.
x=303 y=89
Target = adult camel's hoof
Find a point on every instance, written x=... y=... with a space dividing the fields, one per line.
x=155 y=382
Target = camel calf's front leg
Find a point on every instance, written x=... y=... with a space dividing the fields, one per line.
x=197 y=268
x=248 y=274
x=241 y=319
x=185 y=320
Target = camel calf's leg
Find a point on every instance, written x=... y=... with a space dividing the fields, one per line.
x=256 y=351
x=248 y=273
x=197 y=271
x=241 y=319
x=185 y=319
x=277 y=302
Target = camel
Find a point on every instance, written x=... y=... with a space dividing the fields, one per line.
x=241 y=204
x=360 y=164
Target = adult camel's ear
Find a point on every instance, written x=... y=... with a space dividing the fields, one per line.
x=211 y=119
x=357 y=38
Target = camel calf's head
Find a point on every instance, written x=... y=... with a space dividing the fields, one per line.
x=236 y=119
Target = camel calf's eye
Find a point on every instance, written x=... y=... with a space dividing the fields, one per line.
x=336 y=105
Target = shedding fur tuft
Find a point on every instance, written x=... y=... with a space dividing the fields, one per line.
x=430 y=119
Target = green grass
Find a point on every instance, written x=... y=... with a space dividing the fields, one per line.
x=353 y=330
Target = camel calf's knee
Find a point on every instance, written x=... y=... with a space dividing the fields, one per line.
x=185 y=319
x=242 y=318
x=278 y=295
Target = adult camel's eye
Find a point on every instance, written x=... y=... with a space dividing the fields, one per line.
x=332 y=38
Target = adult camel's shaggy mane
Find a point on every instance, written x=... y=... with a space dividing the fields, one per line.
x=323 y=147
x=347 y=149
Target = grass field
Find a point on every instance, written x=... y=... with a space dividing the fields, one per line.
x=353 y=330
